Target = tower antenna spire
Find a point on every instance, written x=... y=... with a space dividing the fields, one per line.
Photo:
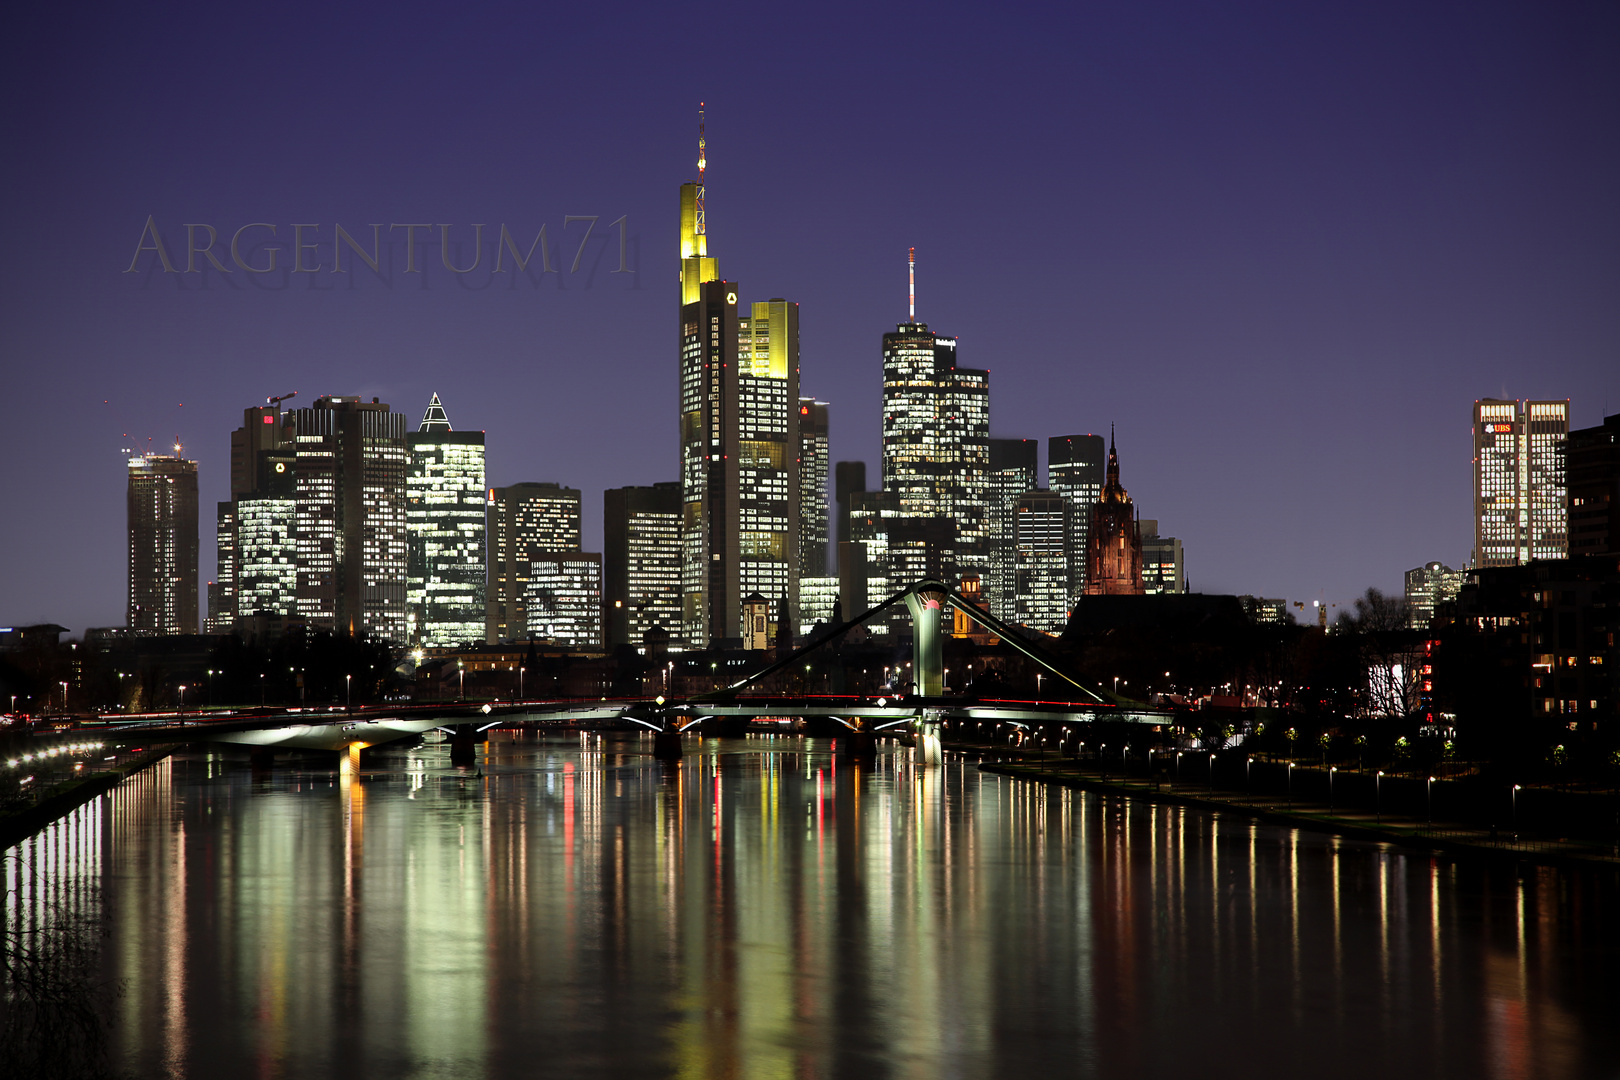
x=911 y=262
x=703 y=163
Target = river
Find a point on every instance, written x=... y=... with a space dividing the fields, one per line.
x=572 y=907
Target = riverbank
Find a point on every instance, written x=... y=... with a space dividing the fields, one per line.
x=1449 y=837
x=18 y=825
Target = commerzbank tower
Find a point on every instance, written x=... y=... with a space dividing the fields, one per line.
x=739 y=441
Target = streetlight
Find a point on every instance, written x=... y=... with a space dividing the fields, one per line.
x=1331 y=771
x=1038 y=676
x=1178 y=766
x=1290 y=785
x=522 y=669
x=1429 y=811
x=182 y=697
x=461 y=674
x=1155 y=779
x=1378 y=796
x=1515 y=812
x=261 y=689
x=64 y=696
x=1212 y=774
x=348 y=692
x=1248 y=768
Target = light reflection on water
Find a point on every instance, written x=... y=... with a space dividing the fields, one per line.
x=576 y=908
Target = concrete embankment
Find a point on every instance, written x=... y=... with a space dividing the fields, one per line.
x=18 y=825
x=1445 y=837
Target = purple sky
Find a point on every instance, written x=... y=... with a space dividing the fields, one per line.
x=1282 y=246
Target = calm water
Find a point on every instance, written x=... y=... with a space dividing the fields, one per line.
x=765 y=911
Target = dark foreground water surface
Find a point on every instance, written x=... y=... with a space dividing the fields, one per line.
x=761 y=910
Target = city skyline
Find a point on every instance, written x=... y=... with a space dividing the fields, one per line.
x=1307 y=294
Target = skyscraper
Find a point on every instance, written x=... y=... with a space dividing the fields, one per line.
x=1075 y=465
x=739 y=438
x=1041 y=560
x=813 y=469
x=445 y=519
x=349 y=476
x=849 y=479
x=1164 y=565
x=1521 y=504
x=1114 y=540
x=525 y=521
x=1427 y=587
x=261 y=436
x=936 y=439
x=1014 y=469
x=641 y=562
x=1594 y=488
x=162 y=505
x=563 y=599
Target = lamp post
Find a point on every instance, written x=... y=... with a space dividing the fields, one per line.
x=1515 y=812
x=348 y=692
x=261 y=689
x=522 y=670
x=1429 y=808
x=182 y=697
x=1178 y=767
x=1212 y=773
x=1378 y=796
x=1248 y=785
x=1290 y=785
x=1038 y=676
x=461 y=675
x=64 y=696
x=1331 y=771
x=1151 y=777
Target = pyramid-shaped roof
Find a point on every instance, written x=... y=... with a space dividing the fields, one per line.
x=435 y=419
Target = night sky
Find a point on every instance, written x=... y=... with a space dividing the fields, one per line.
x=1283 y=247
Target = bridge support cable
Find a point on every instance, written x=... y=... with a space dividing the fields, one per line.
x=1012 y=637
x=827 y=636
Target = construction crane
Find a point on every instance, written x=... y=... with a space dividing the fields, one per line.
x=278 y=400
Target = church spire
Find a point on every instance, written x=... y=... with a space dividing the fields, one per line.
x=435 y=419
x=1113 y=460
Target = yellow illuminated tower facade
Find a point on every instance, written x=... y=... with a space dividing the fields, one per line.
x=739 y=439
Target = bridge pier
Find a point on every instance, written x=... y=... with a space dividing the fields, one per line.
x=858 y=744
x=926 y=749
x=463 y=744
x=667 y=744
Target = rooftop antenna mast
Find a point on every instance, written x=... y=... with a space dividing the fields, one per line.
x=911 y=261
x=703 y=163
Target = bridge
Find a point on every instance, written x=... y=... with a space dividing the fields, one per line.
x=924 y=712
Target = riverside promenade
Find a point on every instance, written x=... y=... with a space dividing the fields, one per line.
x=1392 y=827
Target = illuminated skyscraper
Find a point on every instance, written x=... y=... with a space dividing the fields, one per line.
x=936 y=440
x=1075 y=466
x=1013 y=471
x=1164 y=565
x=563 y=599
x=814 y=467
x=162 y=503
x=445 y=519
x=1521 y=501
x=739 y=439
x=350 y=462
x=261 y=436
x=1041 y=566
x=267 y=575
x=525 y=521
x=641 y=562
